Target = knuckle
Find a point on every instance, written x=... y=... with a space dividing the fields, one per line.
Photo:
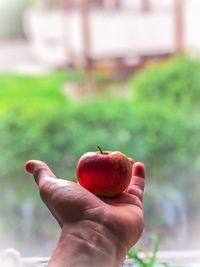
x=44 y=189
x=40 y=169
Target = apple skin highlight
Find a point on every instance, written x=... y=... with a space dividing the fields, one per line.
x=105 y=174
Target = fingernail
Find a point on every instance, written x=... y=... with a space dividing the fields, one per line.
x=131 y=161
x=139 y=170
x=28 y=167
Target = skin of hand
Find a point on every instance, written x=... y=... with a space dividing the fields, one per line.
x=95 y=231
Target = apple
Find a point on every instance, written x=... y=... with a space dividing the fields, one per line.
x=104 y=173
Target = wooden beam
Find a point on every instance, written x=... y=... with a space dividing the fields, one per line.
x=66 y=5
x=44 y=3
x=116 y=4
x=145 y=5
x=85 y=29
x=88 y=85
x=99 y=3
x=179 y=25
x=112 y=4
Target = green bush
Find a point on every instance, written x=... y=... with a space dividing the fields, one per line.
x=175 y=81
x=167 y=95
x=167 y=102
x=28 y=106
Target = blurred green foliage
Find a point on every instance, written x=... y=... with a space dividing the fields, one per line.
x=168 y=96
x=158 y=125
x=142 y=257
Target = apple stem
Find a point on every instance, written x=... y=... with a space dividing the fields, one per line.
x=100 y=149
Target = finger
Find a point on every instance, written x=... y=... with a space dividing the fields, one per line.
x=137 y=184
x=138 y=170
x=39 y=170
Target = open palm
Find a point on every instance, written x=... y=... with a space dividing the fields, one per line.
x=71 y=203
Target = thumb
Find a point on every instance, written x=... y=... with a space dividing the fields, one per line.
x=39 y=170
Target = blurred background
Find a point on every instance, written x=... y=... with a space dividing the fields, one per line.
x=124 y=75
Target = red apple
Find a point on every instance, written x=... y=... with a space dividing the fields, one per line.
x=104 y=173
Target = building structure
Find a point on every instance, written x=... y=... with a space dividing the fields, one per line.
x=106 y=33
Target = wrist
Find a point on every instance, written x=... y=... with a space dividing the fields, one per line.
x=87 y=244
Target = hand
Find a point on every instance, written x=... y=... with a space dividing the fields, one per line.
x=81 y=214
